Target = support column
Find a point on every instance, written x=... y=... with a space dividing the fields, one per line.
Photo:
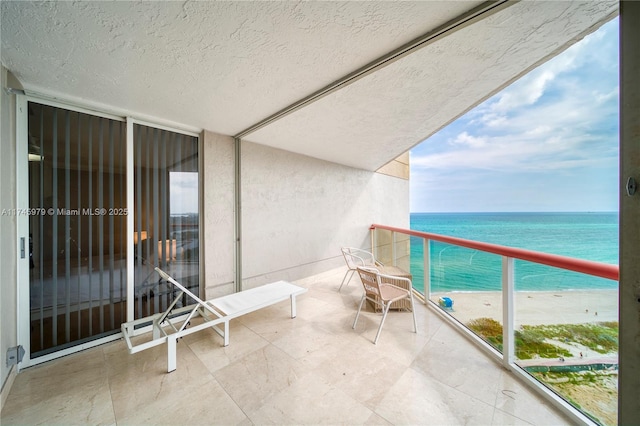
x=629 y=303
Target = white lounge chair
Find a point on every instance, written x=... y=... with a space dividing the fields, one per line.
x=171 y=324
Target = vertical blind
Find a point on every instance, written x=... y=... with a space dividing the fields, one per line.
x=77 y=223
x=166 y=220
x=77 y=187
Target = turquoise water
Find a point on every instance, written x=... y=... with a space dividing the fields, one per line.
x=590 y=236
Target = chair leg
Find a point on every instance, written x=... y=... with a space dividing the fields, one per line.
x=359 y=308
x=386 y=307
x=345 y=277
x=413 y=312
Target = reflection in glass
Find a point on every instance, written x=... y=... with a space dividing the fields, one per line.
x=166 y=220
x=467 y=284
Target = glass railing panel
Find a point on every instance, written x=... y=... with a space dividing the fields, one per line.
x=382 y=246
x=417 y=263
x=565 y=323
x=402 y=251
x=466 y=284
x=566 y=327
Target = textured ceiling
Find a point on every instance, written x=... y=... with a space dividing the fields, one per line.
x=224 y=66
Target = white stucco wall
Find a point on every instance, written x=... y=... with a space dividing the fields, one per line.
x=218 y=179
x=8 y=319
x=298 y=211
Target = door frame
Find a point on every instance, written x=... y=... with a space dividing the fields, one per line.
x=23 y=310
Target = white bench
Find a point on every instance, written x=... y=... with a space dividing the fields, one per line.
x=171 y=324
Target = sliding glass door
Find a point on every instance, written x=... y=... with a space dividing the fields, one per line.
x=77 y=223
x=166 y=220
x=77 y=227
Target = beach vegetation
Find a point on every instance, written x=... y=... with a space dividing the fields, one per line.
x=599 y=337
x=528 y=345
x=489 y=329
x=592 y=392
x=532 y=341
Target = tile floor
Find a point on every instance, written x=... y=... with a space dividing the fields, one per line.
x=314 y=369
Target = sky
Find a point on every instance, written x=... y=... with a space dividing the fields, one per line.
x=184 y=192
x=547 y=142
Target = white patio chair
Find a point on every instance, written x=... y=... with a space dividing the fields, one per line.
x=355 y=257
x=379 y=290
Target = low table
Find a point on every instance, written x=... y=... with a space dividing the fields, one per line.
x=404 y=304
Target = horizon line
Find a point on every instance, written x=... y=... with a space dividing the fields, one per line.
x=515 y=211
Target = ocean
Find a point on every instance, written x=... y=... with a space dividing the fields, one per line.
x=590 y=236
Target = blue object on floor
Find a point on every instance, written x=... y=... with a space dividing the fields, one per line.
x=445 y=302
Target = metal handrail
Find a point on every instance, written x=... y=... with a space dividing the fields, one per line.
x=599 y=269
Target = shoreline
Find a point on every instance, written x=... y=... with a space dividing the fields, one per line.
x=536 y=307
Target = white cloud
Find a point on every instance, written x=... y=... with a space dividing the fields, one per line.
x=530 y=88
x=184 y=192
x=465 y=139
x=539 y=131
x=494 y=120
x=524 y=94
x=605 y=97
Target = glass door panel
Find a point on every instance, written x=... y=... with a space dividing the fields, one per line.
x=77 y=227
x=166 y=220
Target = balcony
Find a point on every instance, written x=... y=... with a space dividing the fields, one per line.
x=551 y=320
x=314 y=369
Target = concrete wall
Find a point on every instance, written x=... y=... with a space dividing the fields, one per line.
x=8 y=315
x=218 y=178
x=398 y=167
x=298 y=211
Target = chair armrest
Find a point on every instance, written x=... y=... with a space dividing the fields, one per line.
x=400 y=282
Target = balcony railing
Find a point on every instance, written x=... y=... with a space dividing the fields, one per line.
x=561 y=341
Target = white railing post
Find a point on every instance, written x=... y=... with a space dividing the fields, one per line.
x=372 y=234
x=394 y=256
x=427 y=270
x=508 y=298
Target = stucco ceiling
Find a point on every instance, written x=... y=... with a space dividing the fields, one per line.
x=225 y=66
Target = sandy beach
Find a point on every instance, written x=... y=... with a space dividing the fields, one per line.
x=537 y=307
